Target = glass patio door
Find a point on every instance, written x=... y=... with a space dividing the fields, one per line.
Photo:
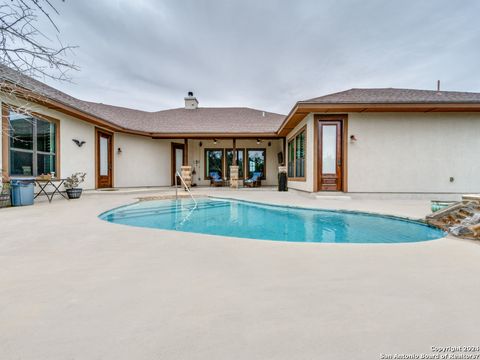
x=104 y=160
x=330 y=155
x=177 y=160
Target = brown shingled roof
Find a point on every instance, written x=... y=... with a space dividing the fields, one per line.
x=231 y=120
x=382 y=100
x=241 y=120
x=201 y=120
x=396 y=96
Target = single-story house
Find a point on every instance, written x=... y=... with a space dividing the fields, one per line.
x=360 y=140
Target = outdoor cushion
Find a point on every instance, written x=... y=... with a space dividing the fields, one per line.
x=215 y=176
x=255 y=177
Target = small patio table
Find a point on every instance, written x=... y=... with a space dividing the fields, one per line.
x=55 y=183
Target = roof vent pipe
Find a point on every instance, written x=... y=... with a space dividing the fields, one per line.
x=438 y=85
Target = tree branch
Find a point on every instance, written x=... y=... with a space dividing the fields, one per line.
x=25 y=48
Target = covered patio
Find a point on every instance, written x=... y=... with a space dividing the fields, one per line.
x=232 y=160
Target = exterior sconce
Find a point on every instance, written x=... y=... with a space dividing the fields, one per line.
x=78 y=142
x=353 y=138
x=269 y=143
x=258 y=141
x=200 y=144
x=214 y=141
x=452 y=179
x=119 y=151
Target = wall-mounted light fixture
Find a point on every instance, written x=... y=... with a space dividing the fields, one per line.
x=119 y=151
x=258 y=141
x=214 y=141
x=269 y=143
x=78 y=142
x=452 y=179
x=200 y=144
x=353 y=138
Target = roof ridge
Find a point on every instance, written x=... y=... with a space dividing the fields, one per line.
x=405 y=89
x=394 y=95
x=117 y=106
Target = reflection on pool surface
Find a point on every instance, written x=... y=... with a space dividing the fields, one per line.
x=267 y=222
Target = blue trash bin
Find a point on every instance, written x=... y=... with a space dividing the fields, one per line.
x=22 y=192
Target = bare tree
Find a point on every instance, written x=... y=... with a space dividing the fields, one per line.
x=26 y=48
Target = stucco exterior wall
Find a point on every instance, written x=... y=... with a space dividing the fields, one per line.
x=414 y=152
x=196 y=156
x=72 y=158
x=405 y=153
x=142 y=162
x=306 y=185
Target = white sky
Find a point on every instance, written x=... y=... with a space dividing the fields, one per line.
x=265 y=54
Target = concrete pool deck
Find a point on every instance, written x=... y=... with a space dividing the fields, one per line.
x=75 y=287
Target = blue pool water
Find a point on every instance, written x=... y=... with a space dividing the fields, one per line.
x=267 y=222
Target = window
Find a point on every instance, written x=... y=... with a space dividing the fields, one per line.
x=213 y=162
x=240 y=161
x=291 y=157
x=256 y=161
x=32 y=145
x=296 y=156
x=248 y=161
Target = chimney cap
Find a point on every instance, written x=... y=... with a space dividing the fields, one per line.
x=190 y=93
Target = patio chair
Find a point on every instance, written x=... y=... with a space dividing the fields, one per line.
x=216 y=179
x=254 y=181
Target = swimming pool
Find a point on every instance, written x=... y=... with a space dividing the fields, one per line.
x=268 y=222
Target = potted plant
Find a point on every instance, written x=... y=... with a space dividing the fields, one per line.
x=71 y=185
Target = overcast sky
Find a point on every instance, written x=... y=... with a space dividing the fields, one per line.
x=147 y=54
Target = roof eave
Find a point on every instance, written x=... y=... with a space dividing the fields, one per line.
x=303 y=108
x=210 y=135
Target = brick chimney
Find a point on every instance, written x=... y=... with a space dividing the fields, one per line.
x=191 y=102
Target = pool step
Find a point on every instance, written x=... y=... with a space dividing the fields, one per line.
x=333 y=196
x=162 y=210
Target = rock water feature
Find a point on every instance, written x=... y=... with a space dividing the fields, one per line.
x=460 y=219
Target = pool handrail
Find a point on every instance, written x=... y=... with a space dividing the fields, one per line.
x=177 y=175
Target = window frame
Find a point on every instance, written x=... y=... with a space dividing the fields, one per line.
x=205 y=174
x=294 y=139
x=247 y=167
x=6 y=108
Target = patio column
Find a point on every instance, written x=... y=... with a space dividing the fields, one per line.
x=185 y=153
x=234 y=167
x=186 y=169
x=234 y=160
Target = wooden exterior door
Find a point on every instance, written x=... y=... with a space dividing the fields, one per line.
x=104 y=160
x=178 y=154
x=330 y=155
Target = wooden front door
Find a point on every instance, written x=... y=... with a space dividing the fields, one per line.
x=330 y=155
x=104 y=160
x=177 y=160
